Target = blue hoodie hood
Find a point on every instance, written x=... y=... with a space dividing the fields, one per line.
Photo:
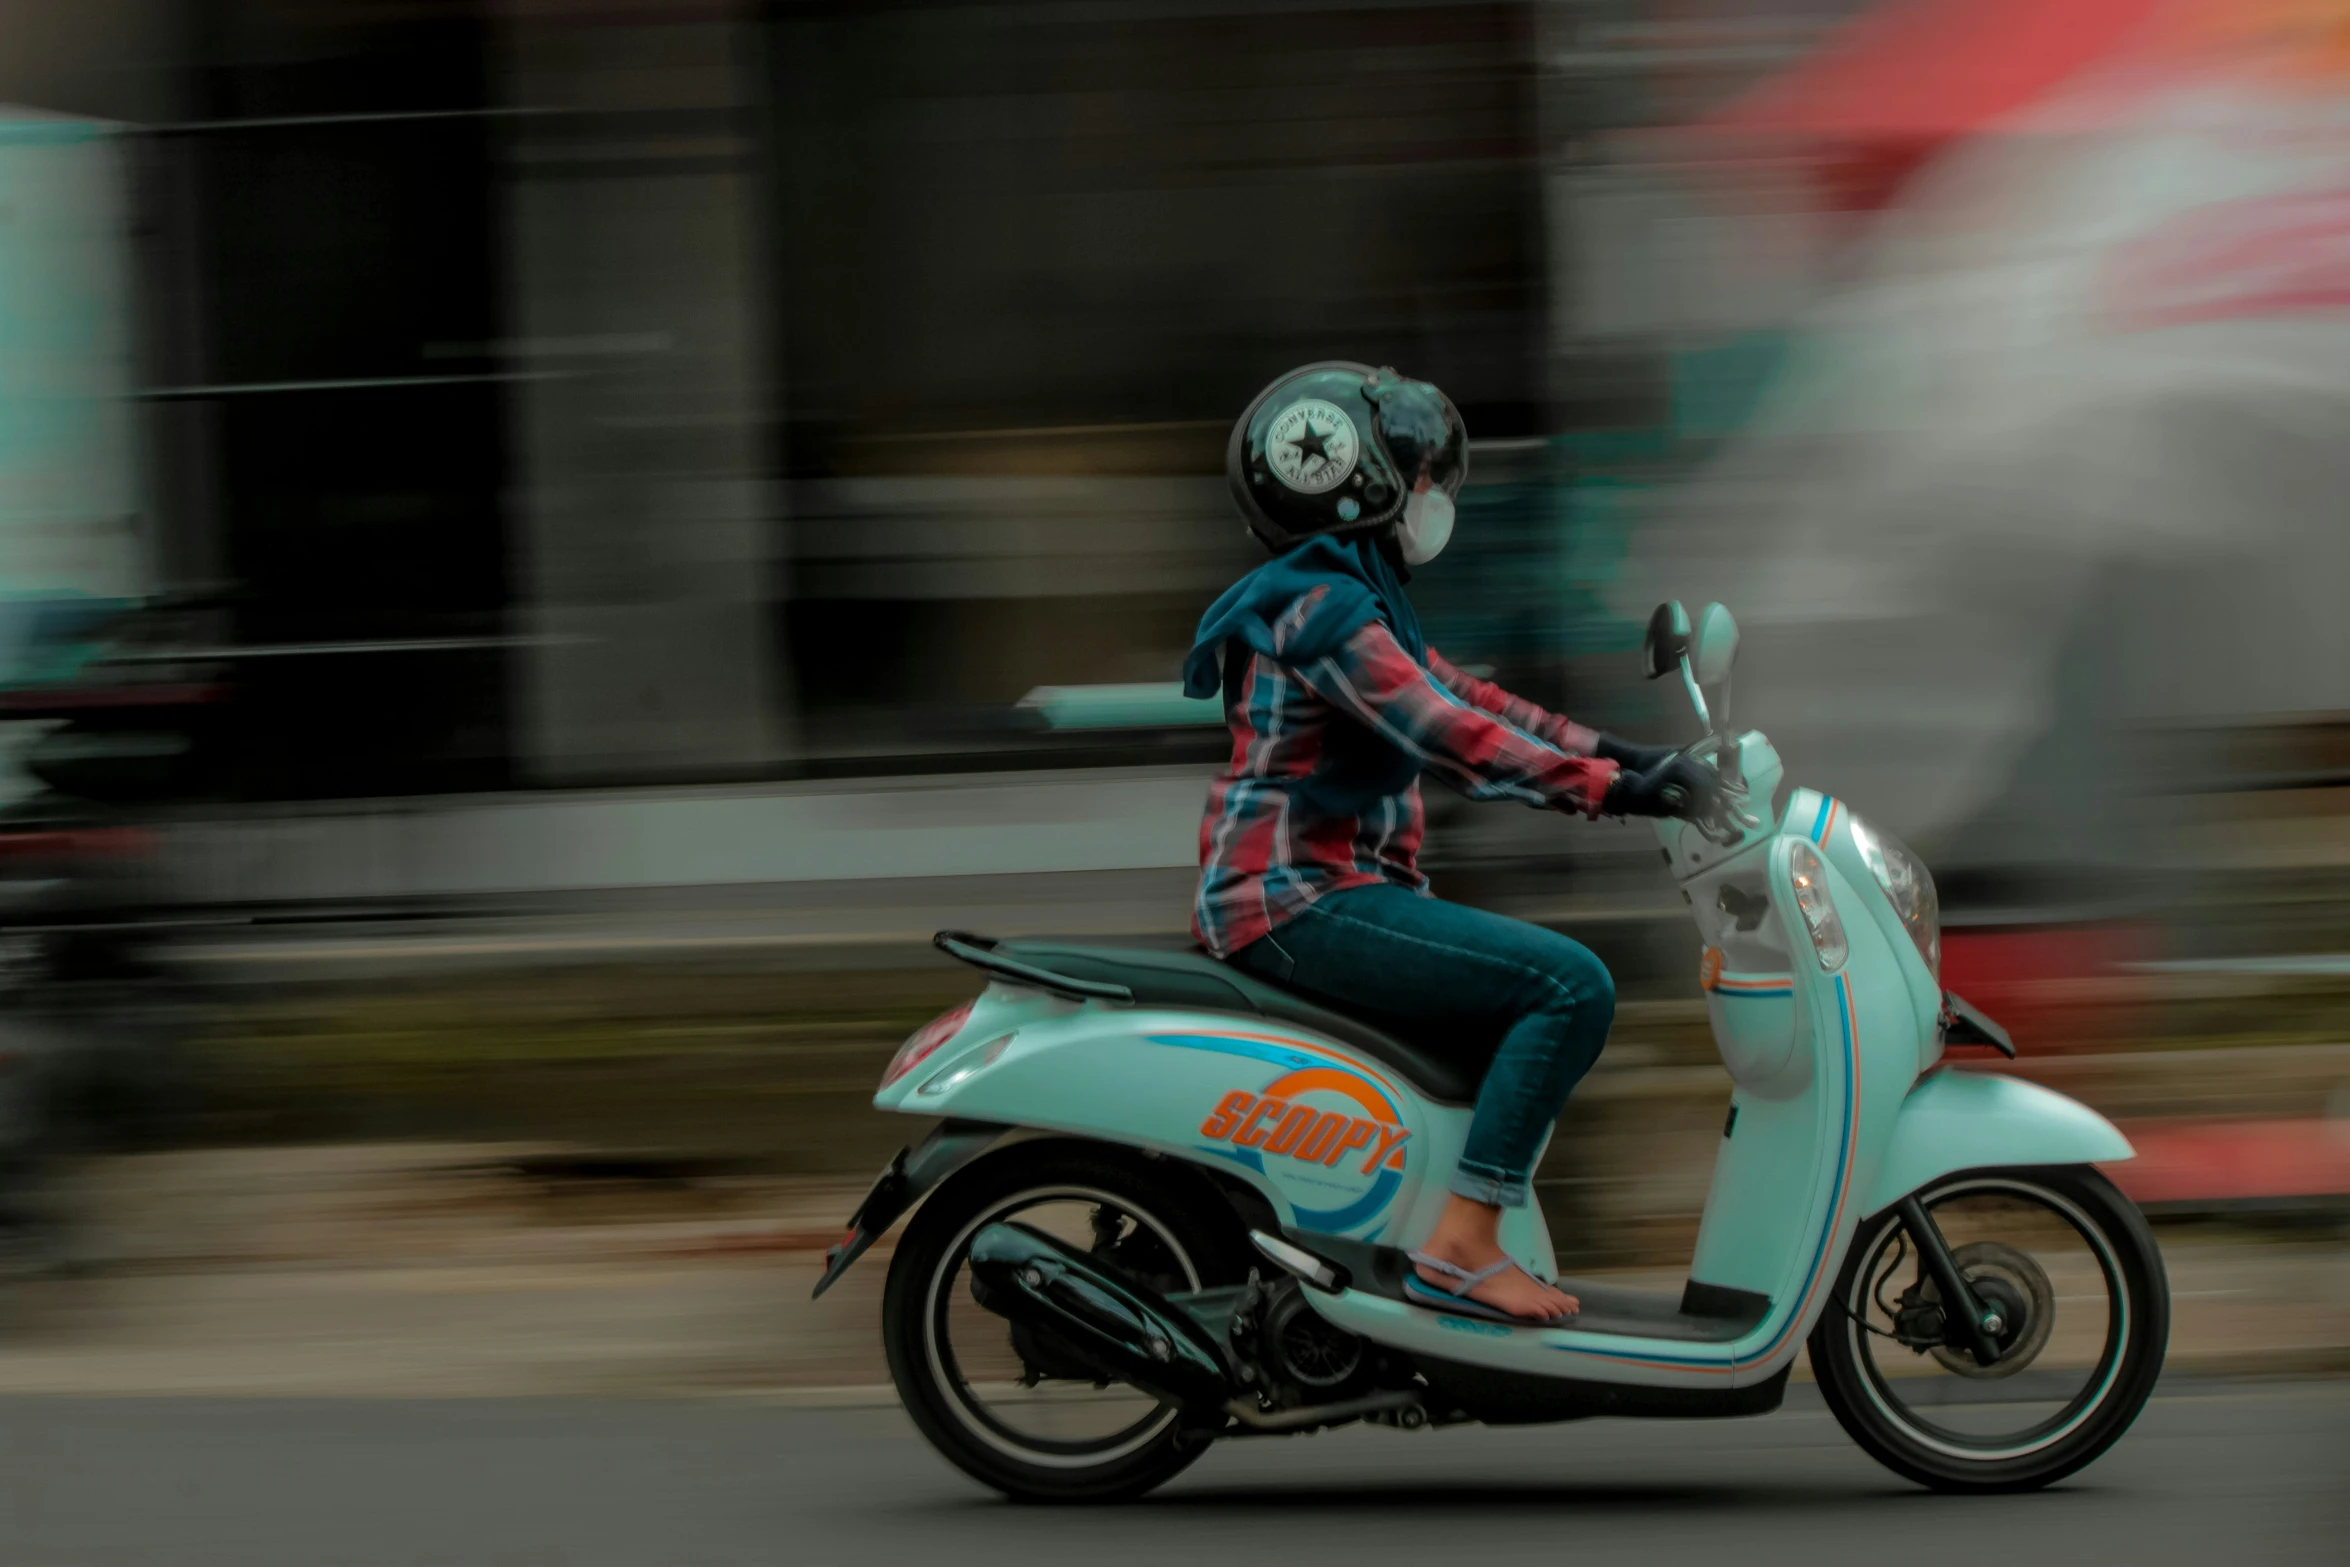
x=1360 y=767
x=1363 y=587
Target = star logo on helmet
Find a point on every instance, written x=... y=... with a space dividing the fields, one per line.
x=1312 y=446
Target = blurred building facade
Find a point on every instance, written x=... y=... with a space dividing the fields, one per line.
x=570 y=393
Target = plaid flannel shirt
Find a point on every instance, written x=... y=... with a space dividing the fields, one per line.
x=1265 y=855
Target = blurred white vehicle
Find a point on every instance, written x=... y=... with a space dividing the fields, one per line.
x=2062 y=463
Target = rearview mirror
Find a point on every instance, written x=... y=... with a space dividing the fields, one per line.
x=1714 y=646
x=1701 y=658
x=1668 y=640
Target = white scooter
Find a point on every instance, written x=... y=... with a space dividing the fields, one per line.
x=1169 y=1202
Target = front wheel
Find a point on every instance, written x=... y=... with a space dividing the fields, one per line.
x=1005 y=1404
x=2071 y=1269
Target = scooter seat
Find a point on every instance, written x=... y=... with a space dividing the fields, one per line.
x=1194 y=979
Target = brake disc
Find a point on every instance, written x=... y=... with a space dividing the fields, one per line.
x=2010 y=1282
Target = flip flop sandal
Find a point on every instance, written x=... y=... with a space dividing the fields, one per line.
x=1455 y=1297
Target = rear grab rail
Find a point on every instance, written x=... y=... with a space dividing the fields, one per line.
x=980 y=952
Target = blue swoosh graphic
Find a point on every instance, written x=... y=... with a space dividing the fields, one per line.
x=1368 y=1206
x=1254 y=1049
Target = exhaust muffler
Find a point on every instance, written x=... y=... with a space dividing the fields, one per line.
x=1118 y=1328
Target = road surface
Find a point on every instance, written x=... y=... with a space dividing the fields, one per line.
x=2239 y=1473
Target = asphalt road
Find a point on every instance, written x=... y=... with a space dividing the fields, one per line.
x=2240 y=1474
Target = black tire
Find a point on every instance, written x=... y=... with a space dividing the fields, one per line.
x=1200 y=1226
x=2114 y=1389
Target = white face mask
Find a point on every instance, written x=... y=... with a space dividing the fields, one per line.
x=1427 y=526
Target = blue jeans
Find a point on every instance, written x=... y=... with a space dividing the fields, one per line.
x=1528 y=1001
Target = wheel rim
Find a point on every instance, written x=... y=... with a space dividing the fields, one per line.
x=975 y=1362
x=2075 y=1359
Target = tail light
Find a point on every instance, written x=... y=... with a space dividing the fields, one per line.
x=924 y=1041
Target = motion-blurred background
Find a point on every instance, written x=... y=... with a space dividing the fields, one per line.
x=545 y=546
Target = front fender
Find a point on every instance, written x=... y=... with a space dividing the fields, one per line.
x=1954 y=1120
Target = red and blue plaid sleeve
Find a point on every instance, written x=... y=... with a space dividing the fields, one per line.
x=1475 y=751
x=1551 y=729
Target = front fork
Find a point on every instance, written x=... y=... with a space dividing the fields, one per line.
x=1974 y=1326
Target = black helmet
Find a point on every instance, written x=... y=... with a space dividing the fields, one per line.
x=1338 y=447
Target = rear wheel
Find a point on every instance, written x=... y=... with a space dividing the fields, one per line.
x=2072 y=1274
x=1004 y=1404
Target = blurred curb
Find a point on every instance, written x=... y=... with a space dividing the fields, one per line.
x=2260 y=1364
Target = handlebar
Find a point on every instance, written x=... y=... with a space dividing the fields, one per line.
x=1727 y=820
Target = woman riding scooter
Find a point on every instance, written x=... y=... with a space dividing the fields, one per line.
x=1309 y=848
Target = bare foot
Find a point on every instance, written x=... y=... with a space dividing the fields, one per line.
x=1466 y=1237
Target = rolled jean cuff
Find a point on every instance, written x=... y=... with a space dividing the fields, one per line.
x=1495 y=1188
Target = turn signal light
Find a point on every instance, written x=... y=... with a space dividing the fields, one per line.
x=1819 y=909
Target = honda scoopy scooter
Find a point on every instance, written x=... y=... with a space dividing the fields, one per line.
x=1168 y=1203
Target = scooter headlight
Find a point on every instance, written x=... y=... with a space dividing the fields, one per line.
x=1819 y=910
x=1908 y=885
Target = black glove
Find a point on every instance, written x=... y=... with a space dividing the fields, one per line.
x=1633 y=758
x=1678 y=786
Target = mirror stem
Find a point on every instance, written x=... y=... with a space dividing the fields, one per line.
x=1696 y=697
x=1727 y=764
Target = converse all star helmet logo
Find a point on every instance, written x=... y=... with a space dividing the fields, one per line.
x=1312 y=446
